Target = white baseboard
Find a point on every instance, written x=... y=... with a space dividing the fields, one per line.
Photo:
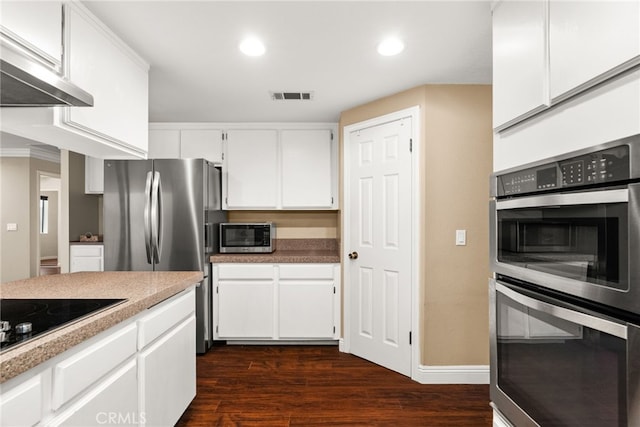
x=460 y=374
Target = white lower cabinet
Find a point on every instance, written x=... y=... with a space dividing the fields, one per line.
x=276 y=301
x=140 y=372
x=86 y=258
x=112 y=401
x=76 y=373
x=305 y=310
x=245 y=309
x=165 y=390
x=23 y=405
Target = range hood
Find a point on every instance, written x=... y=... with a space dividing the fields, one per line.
x=27 y=83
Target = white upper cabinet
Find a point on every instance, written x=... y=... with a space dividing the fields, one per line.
x=201 y=143
x=307 y=175
x=93 y=175
x=590 y=41
x=250 y=171
x=184 y=141
x=547 y=51
x=519 y=60
x=265 y=166
x=284 y=168
x=164 y=144
x=98 y=62
x=104 y=66
x=35 y=26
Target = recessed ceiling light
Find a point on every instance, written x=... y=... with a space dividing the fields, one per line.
x=251 y=46
x=390 y=46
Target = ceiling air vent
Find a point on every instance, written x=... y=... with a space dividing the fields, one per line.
x=292 y=96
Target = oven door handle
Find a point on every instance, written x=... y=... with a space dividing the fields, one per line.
x=602 y=325
x=566 y=199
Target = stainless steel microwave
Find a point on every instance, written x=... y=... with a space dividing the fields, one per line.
x=572 y=224
x=245 y=237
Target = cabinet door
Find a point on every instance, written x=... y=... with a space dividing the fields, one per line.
x=201 y=144
x=104 y=66
x=250 y=172
x=307 y=169
x=22 y=405
x=164 y=144
x=86 y=264
x=114 y=400
x=93 y=175
x=35 y=25
x=245 y=309
x=168 y=375
x=306 y=309
x=520 y=66
x=590 y=40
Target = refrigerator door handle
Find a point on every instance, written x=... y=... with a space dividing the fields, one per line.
x=156 y=217
x=147 y=217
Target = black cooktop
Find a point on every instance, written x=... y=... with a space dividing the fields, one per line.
x=43 y=315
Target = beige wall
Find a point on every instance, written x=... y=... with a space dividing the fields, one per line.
x=294 y=224
x=14 y=208
x=19 y=203
x=456 y=149
x=84 y=209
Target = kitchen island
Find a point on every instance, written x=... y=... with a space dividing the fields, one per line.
x=109 y=364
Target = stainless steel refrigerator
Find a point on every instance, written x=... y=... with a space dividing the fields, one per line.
x=163 y=215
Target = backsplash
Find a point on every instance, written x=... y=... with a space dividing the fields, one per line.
x=294 y=224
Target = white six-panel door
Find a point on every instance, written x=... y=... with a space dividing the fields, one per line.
x=380 y=284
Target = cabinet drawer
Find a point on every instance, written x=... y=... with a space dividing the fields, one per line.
x=164 y=318
x=318 y=271
x=76 y=373
x=23 y=404
x=86 y=264
x=86 y=251
x=118 y=395
x=245 y=271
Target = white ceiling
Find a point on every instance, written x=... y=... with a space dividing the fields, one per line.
x=329 y=47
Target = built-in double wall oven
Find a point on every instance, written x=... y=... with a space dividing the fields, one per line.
x=565 y=292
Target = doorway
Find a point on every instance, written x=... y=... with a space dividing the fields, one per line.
x=380 y=241
x=49 y=217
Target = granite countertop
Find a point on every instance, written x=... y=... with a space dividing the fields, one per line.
x=142 y=290
x=289 y=251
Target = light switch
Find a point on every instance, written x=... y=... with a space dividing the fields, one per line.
x=12 y=226
x=461 y=237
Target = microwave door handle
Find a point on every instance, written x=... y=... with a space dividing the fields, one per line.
x=583 y=319
x=566 y=199
x=147 y=215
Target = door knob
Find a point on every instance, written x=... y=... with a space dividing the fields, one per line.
x=353 y=255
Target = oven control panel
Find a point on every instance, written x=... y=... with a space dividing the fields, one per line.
x=595 y=168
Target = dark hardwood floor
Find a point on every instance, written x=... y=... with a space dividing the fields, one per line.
x=318 y=385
